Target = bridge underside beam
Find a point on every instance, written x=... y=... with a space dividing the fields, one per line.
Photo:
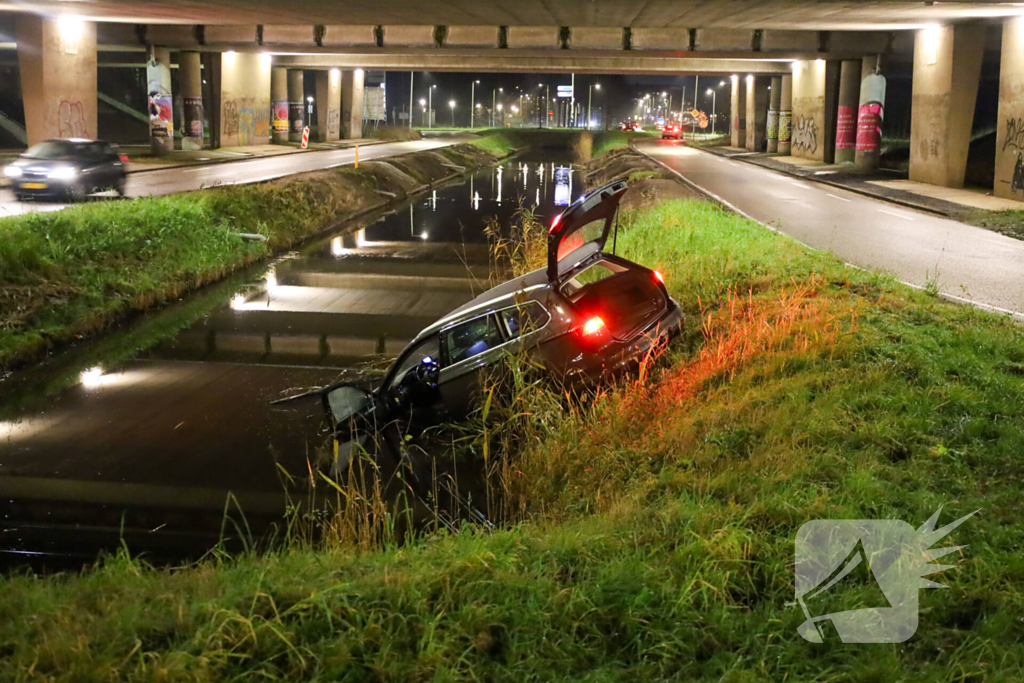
x=536 y=62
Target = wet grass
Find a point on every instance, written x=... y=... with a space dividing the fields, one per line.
x=656 y=517
x=1009 y=222
x=71 y=273
x=504 y=141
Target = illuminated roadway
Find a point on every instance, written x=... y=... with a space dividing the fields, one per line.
x=188 y=178
x=973 y=265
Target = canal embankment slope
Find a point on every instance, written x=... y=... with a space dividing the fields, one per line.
x=654 y=523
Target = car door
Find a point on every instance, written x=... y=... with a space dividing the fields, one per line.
x=468 y=347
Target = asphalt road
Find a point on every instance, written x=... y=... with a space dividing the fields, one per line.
x=186 y=179
x=973 y=265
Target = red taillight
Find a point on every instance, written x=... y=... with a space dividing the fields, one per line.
x=123 y=158
x=659 y=277
x=593 y=326
x=554 y=223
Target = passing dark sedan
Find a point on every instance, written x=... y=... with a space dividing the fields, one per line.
x=588 y=314
x=67 y=169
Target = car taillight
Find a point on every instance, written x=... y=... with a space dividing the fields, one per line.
x=123 y=158
x=593 y=326
x=554 y=223
x=659 y=277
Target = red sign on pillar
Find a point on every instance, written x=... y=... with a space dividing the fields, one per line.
x=869 y=127
x=846 y=127
x=305 y=137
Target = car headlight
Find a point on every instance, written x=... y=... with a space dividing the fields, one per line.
x=12 y=171
x=63 y=173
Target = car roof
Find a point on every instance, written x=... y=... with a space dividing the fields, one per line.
x=533 y=285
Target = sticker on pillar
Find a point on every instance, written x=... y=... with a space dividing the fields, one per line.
x=295 y=115
x=785 y=125
x=280 y=116
x=194 y=116
x=772 y=127
x=846 y=127
x=161 y=104
x=869 y=117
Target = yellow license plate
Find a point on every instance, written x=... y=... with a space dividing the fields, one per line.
x=33 y=186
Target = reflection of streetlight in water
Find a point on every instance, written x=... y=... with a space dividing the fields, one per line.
x=476 y=201
x=498 y=198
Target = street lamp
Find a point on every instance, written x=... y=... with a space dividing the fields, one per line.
x=590 y=97
x=472 y=104
x=423 y=105
x=714 y=95
x=494 y=100
x=309 y=110
x=430 y=106
x=451 y=105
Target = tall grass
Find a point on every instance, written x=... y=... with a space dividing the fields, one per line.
x=656 y=518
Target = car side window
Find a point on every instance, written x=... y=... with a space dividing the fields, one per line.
x=428 y=348
x=524 y=318
x=472 y=338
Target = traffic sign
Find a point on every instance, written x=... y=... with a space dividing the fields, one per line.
x=565 y=91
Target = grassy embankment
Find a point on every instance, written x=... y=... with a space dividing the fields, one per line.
x=658 y=519
x=74 y=272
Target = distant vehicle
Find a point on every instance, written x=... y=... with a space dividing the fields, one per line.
x=587 y=315
x=671 y=131
x=630 y=125
x=69 y=169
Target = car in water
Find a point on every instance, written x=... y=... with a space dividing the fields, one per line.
x=587 y=315
x=67 y=169
x=671 y=131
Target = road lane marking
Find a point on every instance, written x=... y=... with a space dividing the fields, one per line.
x=835 y=196
x=898 y=215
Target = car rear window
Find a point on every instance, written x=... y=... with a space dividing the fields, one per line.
x=472 y=338
x=627 y=299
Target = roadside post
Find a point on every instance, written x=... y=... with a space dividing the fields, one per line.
x=305 y=137
x=357 y=156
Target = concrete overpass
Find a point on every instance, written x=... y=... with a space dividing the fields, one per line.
x=818 y=54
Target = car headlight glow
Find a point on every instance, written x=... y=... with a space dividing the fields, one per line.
x=62 y=173
x=12 y=171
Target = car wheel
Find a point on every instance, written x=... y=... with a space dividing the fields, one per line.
x=120 y=186
x=76 y=192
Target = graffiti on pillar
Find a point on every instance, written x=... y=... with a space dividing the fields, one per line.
x=334 y=121
x=71 y=120
x=1014 y=134
x=1018 y=174
x=246 y=120
x=805 y=134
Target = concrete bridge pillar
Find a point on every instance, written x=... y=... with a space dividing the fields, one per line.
x=328 y=105
x=786 y=115
x=947 y=68
x=244 y=97
x=814 y=101
x=57 y=61
x=772 y=127
x=1009 y=177
x=190 y=79
x=279 y=105
x=870 y=113
x=296 y=105
x=738 y=110
x=846 y=119
x=757 y=112
x=352 y=104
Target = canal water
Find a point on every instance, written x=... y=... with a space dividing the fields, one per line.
x=146 y=436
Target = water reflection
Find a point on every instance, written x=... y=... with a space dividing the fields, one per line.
x=172 y=429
